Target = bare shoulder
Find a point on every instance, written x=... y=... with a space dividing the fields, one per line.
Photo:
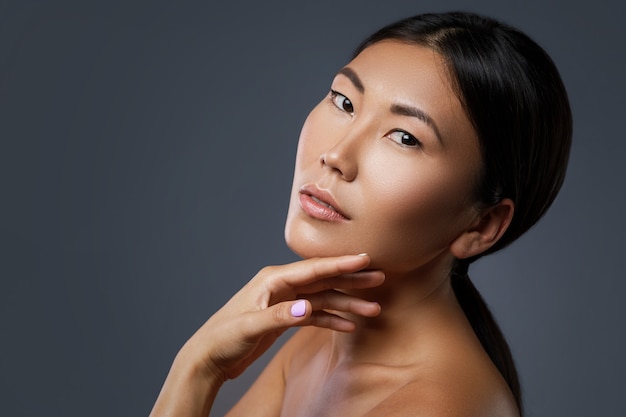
x=266 y=394
x=457 y=391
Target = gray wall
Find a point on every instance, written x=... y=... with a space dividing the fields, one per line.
x=145 y=162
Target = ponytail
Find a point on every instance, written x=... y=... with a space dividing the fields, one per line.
x=485 y=327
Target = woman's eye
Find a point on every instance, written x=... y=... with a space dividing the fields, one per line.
x=342 y=102
x=404 y=138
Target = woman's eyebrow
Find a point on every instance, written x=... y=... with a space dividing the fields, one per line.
x=405 y=110
x=349 y=72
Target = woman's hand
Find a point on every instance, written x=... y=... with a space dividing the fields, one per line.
x=305 y=293
x=277 y=298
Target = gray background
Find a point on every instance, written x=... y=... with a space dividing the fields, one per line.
x=145 y=164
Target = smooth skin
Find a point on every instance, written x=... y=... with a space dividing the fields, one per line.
x=382 y=334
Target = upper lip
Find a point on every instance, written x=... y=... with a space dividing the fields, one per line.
x=324 y=196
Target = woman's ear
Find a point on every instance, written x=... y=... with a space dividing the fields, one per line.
x=489 y=226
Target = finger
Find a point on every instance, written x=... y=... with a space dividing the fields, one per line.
x=311 y=270
x=334 y=300
x=350 y=281
x=276 y=318
x=331 y=321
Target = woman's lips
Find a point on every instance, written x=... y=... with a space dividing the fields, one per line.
x=319 y=204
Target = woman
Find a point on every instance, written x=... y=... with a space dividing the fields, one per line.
x=444 y=139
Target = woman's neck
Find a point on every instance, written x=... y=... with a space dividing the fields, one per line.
x=418 y=312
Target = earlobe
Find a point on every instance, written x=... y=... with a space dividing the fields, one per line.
x=485 y=232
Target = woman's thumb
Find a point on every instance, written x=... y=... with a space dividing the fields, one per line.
x=298 y=309
x=282 y=316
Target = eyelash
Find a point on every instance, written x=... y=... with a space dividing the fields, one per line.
x=336 y=94
x=405 y=136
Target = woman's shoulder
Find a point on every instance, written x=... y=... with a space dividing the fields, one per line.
x=266 y=394
x=451 y=388
x=428 y=400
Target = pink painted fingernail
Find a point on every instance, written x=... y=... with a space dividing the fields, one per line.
x=298 y=309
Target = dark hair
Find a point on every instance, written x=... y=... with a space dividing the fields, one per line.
x=514 y=97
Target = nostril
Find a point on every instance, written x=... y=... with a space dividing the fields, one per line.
x=330 y=161
x=345 y=168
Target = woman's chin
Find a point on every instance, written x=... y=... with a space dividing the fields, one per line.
x=307 y=250
x=309 y=247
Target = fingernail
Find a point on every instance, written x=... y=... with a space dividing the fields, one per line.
x=298 y=309
x=362 y=254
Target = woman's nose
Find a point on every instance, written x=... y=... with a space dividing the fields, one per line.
x=342 y=158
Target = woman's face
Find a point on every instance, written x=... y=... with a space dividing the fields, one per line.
x=391 y=150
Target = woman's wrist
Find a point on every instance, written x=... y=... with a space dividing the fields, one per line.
x=190 y=388
x=189 y=365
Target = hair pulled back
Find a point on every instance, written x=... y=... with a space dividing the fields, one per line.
x=513 y=95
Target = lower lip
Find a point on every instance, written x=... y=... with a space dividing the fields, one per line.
x=319 y=211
